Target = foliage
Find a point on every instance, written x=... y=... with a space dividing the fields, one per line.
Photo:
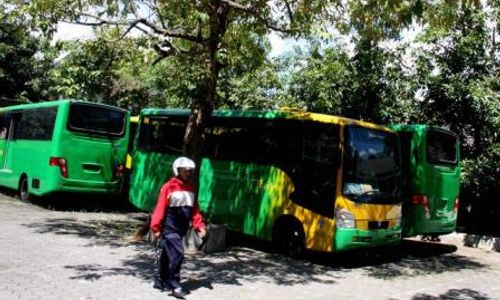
x=24 y=59
x=203 y=34
x=370 y=84
x=460 y=80
x=377 y=20
x=121 y=72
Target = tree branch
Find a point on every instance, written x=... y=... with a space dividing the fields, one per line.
x=251 y=11
x=289 y=10
x=173 y=33
x=131 y=26
x=102 y=21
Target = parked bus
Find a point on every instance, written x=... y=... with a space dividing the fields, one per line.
x=64 y=145
x=302 y=180
x=431 y=172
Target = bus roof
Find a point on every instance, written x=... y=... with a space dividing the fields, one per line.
x=53 y=103
x=282 y=114
x=420 y=127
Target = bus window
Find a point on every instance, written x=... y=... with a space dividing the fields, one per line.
x=96 y=120
x=36 y=124
x=441 y=148
x=163 y=135
x=242 y=140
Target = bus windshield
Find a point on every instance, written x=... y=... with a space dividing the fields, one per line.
x=96 y=119
x=371 y=172
x=441 y=148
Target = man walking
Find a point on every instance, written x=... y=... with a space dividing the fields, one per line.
x=176 y=207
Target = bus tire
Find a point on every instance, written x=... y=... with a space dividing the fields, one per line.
x=288 y=237
x=23 y=191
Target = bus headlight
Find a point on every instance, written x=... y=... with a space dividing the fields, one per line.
x=345 y=219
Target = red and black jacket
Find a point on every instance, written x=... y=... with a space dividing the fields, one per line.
x=176 y=207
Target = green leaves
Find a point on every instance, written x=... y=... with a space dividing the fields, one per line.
x=22 y=66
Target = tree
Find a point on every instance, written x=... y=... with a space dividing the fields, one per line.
x=22 y=65
x=196 y=32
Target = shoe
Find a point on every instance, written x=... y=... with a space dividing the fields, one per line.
x=179 y=293
x=158 y=287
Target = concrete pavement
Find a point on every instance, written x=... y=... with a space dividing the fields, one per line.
x=47 y=254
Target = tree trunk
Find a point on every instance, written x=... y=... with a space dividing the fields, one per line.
x=201 y=111
x=205 y=101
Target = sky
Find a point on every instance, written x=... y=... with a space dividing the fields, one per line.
x=67 y=31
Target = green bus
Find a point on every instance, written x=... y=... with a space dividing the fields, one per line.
x=301 y=180
x=64 y=145
x=431 y=172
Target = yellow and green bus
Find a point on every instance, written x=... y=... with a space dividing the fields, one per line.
x=64 y=145
x=301 y=180
x=431 y=171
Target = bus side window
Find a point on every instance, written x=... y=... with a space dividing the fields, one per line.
x=36 y=124
x=242 y=140
x=163 y=135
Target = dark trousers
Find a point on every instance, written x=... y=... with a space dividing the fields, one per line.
x=168 y=262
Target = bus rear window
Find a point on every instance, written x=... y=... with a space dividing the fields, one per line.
x=96 y=119
x=441 y=148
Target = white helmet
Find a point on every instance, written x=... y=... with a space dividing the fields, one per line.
x=182 y=162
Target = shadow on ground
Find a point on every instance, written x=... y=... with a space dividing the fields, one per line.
x=84 y=202
x=413 y=258
x=232 y=267
x=236 y=264
x=410 y=258
x=250 y=259
x=101 y=231
x=465 y=294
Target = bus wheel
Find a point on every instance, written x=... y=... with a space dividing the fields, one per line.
x=289 y=239
x=24 y=194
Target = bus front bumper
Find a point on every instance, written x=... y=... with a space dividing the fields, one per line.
x=346 y=239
